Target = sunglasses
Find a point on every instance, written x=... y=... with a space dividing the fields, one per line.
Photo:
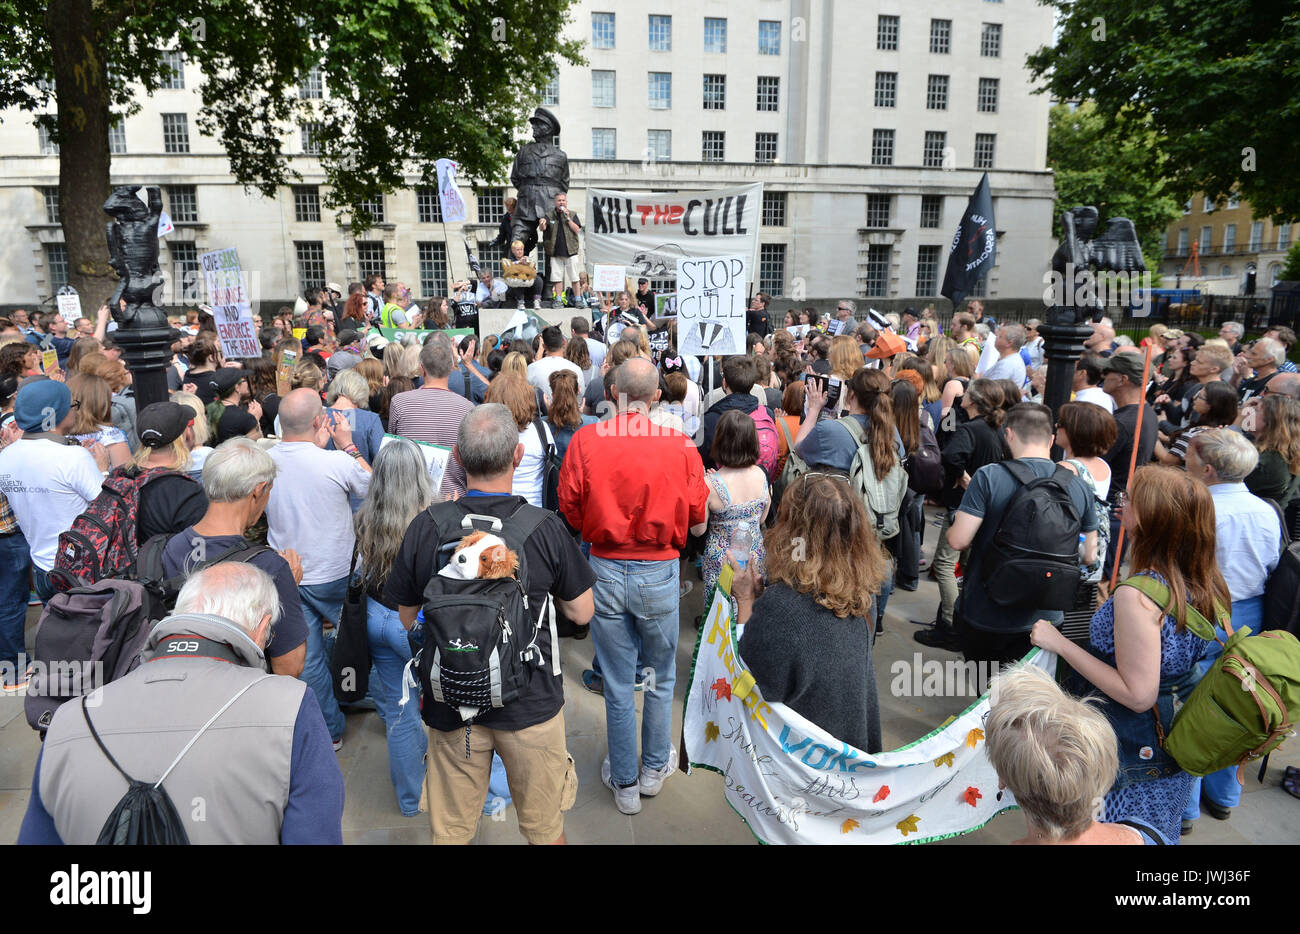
x=835 y=476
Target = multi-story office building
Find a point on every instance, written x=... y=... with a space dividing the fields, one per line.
x=1229 y=240
x=869 y=125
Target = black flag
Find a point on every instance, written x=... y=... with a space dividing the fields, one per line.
x=974 y=246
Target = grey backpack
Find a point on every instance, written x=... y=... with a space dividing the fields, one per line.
x=883 y=496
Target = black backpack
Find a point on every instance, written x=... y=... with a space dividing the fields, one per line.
x=480 y=638
x=1033 y=560
x=551 y=464
x=1282 y=589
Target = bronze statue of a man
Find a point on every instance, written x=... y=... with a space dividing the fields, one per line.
x=133 y=254
x=540 y=172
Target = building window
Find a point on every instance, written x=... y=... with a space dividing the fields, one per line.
x=661 y=33
x=882 y=147
x=375 y=208
x=988 y=96
x=769 y=37
x=176 y=133
x=306 y=204
x=773 y=214
x=1256 y=237
x=1284 y=236
x=183 y=204
x=117 y=136
x=1230 y=238
x=877 y=277
x=1207 y=205
x=931 y=211
x=602 y=30
x=878 y=210
x=491 y=204
x=312 y=87
x=174 y=63
x=602 y=89
x=1182 y=242
x=311 y=263
x=1207 y=233
x=886 y=88
x=428 y=209
x=714 y=148
x=311 y=138
x=984 y=146
x=927 y=270
x=935 y=143
x=51 y=195
x=771 y=268
x=715 y=34
x=56 y=261
x=603 y=144
x=715 y=92
x=940 y=36
x=980 y=287
x=490 y=256
x=659 y=145
x=551 y=92
x=887 y=33
x=661 y=90
x=1234 y=201
x=764 y=147
x=936 y=93
x=48 y=146
x=991 y=40
x=186 y=280
x=769 y=93
x=432 y=259
x=370 y=261
x=1187 y=206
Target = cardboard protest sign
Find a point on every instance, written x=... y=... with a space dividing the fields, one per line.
x=435 y=457
x=608 y=278
x=69 y=303
x=228 y=297
x=666 y=305
x=792 y=782
x=711 y=305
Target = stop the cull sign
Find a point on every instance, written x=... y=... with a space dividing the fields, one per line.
x=711 y=305
x=228 y=296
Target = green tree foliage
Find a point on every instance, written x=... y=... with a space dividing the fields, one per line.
x=1291 y=269
x=1218 y=82
x=406 y=82
x=1115 y=165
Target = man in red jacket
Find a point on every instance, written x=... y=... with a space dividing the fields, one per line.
x=634 y=489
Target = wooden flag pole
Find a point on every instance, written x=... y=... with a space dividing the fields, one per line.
x=1132 y=463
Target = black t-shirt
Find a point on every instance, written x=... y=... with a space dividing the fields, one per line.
x=594 y=394
x=270 y=409
x=169 y=504
x=1250 y=388
x=555 y=566
x=203 y=387
x=560 y=250
x=646 y=298
x=758 y=322
x=1121 y=452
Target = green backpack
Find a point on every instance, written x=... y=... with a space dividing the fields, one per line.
x=1244 y=706
x=795 y=467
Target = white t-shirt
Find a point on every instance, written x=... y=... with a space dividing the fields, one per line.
x=1009 y=367
x=1097 y=396
x=48 y=485
x=539 y=373
x=597 y=351
x=527 y=481
x=309 y=509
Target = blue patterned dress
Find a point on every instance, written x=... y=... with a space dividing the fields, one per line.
x=1158 y=803
x=722 y=525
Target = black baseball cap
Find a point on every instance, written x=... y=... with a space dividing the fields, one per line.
x=226 y=379
x=161 y=423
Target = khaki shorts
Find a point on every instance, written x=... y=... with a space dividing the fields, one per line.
x=539 y=769
x=564 y=269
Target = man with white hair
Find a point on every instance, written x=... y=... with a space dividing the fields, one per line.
x=1009 y=365
x=1231 y=332
x=844 y=322
x=243 y=755
x=1265 y=357
x=311 y=513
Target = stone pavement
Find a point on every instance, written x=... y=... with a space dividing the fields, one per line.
x=690 y=809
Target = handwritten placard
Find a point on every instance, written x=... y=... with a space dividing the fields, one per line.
x=711 y=305
x=231 y=311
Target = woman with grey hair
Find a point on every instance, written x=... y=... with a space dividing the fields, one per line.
x=400 y=489
x=349 y=395
x=1058 y=756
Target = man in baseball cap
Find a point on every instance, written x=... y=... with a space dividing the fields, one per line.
x=161 y=423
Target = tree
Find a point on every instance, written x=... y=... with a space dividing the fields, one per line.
x=1291 y=269
x=1116 y=166
x=406 y=81
x=1216 y=80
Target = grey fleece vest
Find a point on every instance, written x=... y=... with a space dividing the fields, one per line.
x=231 y=787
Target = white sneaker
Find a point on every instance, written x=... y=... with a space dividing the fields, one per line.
x=652 y=780
x=627 y=800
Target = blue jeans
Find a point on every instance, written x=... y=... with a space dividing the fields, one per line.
x=41 y=583
x=636 y=602
x=390 y=650
x=886 y=588
x=323 y=602
x=1221 y=787
x=15 y=567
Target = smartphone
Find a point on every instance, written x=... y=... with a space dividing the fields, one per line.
x=833 y=392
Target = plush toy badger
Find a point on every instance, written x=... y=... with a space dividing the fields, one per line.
x=481 y=554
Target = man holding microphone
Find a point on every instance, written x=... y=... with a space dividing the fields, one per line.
x=560 y=237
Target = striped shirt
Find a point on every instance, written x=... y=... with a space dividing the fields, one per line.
x=432 y=415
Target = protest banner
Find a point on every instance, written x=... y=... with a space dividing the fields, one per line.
x=792 y=782
x=231 y=311
x=435 y=456
x=711 y=305
x=393 y=334
x=453 y=205
x=652 y=233
x=608 y=278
